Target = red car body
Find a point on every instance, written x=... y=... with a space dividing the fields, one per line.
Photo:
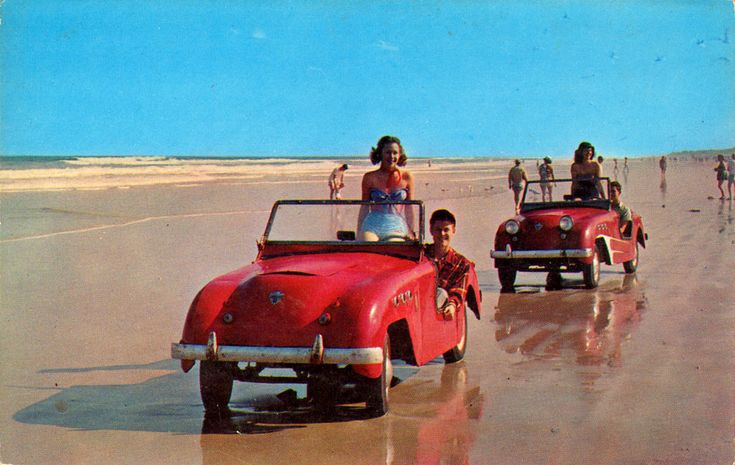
x=542 y=242
x=333 y=311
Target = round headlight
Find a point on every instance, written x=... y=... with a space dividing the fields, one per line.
x=512 y=227
x=566 y=223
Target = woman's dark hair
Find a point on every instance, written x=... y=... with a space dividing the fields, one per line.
x=579 y=153
x=376 y=153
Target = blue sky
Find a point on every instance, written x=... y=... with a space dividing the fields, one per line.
x=450 y=78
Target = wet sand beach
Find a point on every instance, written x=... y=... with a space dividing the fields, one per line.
x=96 y=281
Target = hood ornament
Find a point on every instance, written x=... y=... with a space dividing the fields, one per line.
x=276 y=296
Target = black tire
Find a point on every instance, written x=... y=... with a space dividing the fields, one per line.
x=591 y=272
x=215 y=385
x=507 y=278
x=456 y=353
x=632 y=265
x=553 y=281
x=376 y=390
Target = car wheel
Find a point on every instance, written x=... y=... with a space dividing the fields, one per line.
x=591 y=272
x=553 y=281
x=215 y=385
x=457 y=352
x=377 y=389
x=632 y=265
x=507 y=278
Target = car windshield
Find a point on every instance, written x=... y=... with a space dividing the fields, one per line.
x=330 y=221
x=566 y=193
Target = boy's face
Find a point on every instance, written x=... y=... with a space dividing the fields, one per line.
x=442 y=232
x=615 y=194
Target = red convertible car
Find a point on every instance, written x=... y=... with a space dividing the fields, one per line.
x=572 y=234
x=327 y=306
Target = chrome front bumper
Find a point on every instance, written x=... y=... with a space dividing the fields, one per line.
x=316 y=354
x=508 y=253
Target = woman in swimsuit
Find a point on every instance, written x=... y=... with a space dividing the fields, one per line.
x=586 y=173
x=388 y=183
x=721 y=170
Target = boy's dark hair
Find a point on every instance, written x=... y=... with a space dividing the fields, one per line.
x=616 y=185
x=442 y=215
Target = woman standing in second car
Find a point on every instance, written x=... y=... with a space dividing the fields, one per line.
x=586 y=173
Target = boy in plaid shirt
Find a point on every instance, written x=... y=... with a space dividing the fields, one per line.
x=452 y=266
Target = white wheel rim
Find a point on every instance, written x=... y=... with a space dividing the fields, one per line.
x=596 y=267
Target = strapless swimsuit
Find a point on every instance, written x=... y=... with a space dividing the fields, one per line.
x=585 y=188
x=386 y=220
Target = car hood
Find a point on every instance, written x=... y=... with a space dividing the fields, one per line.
x=579 y=215
x=278 y=302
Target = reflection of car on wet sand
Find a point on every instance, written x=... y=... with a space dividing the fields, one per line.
x=592 y=325
x=331 y=309
x=570 y=235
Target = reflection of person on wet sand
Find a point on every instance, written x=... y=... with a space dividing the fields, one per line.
x=452 y=267
x=445 y=437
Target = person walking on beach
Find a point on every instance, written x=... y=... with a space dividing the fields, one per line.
x=452 y=267
x=517 y=179
x=721 y=171
x=662 y=166
x=546 y=173
x=336 y=182
x=731 y=176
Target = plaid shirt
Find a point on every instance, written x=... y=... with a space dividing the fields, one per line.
x=453 y=269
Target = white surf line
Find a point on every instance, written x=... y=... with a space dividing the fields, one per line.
x=130 y=223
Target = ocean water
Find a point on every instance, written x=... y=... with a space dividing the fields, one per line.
x=18 y=174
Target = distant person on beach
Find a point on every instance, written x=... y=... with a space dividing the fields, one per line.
x=620 y=208
x=546 y=174
x=662 y=165
x=387 y=183
x=452 y=267
x=731 y=176
x=615 y=168
x=517 y=179
x=586 y=173
x=722 y=176
x=336 y=182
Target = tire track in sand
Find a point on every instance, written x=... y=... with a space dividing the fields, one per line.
x=129 y=223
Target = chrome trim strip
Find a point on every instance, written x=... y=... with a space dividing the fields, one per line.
x=552 y=253
x=276 y=354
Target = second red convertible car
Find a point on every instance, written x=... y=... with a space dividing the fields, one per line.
x=570 y=234
x=330 y=308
